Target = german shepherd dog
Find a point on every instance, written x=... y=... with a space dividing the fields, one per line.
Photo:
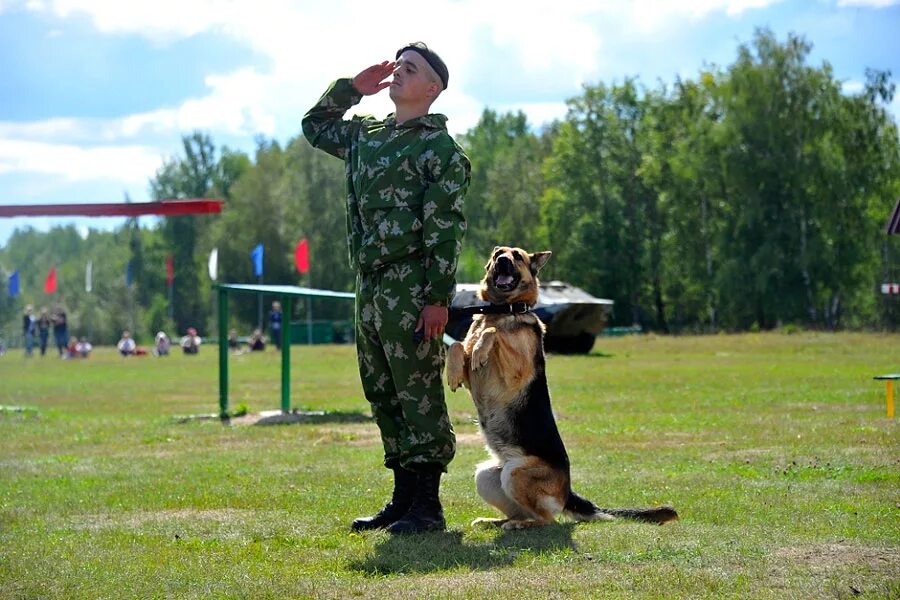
x=501 y=362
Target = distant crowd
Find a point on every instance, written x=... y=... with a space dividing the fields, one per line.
x=37 y=328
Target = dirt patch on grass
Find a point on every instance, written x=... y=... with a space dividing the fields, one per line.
x=469 y=439
x=828 y=557
x=348 y=435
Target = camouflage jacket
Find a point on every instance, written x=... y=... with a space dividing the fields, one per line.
x=405 y=187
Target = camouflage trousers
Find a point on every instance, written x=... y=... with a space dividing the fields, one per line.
x=401 y=377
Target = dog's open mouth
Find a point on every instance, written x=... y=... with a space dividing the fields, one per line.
x=505 y=282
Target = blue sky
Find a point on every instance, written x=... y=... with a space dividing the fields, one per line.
x=95 y=94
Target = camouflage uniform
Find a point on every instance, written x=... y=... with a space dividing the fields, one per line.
x=405 y=187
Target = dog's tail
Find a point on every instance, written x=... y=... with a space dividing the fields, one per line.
x=582 y=509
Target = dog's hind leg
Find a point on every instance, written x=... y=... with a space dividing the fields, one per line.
x=537 y=487
x=489 y=486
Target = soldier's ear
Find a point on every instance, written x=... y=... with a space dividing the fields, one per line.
x=538 y=260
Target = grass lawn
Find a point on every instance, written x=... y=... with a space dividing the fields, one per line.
x=774 y=448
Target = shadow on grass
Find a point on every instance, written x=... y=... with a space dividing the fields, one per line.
x=313 y=417
x=318 y=417
x=444 y=550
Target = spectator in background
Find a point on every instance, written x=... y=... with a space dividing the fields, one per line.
x=234 y=344
x=257 y=342
x=29 y=327
x=275 y=324
x=72 y=348
x=126 y=345
x=60 y=330
x=161 y=344
x=83 y=348
x=43 y=325
x=190 y=344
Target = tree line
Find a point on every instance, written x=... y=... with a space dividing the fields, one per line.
x=751 y=197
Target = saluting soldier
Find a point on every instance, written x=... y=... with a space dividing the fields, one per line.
x=406 y=179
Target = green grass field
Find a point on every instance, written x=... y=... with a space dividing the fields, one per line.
x=774 y=448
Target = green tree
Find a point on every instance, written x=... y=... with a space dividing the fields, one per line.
x=190 y=176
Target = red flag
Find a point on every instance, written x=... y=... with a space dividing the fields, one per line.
x=50 y=282
x=301 y=256
x=170 y=269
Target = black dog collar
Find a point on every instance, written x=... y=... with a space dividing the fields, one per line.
x=516 y=308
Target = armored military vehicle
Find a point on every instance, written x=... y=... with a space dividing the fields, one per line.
x=572 y=316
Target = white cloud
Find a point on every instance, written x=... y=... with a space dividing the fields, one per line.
x=868 y=3
x=309 y=43
x=131 y=164
x=538 y=113
x=852 y=86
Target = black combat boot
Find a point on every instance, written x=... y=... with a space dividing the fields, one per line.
x=401 y=500
x=426 y=513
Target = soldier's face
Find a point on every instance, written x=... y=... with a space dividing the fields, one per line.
x=413 y=79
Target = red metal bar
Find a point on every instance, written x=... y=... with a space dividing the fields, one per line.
x=166 y=208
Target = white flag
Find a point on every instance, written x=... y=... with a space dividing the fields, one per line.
x=88 y=276
x=213 y=263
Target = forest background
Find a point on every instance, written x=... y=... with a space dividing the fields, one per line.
x=752 y=197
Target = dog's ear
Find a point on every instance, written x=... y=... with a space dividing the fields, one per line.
x=490 y=259
x=538 y=260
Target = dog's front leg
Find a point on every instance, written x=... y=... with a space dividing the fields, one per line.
x=481 y=352
x=456 y=366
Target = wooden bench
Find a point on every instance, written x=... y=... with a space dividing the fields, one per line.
x=889 y=381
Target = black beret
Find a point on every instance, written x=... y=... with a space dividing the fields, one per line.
x=431 y=57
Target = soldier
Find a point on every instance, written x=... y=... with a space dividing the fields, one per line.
x=406 y=179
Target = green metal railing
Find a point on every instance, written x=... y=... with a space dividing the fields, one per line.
x=286 y=295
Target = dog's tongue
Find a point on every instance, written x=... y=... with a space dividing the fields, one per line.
x=504 y=279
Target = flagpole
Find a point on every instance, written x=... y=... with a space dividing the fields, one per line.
x=259 y=306
x=170 y=281
x=309 y=335
x=89 y=287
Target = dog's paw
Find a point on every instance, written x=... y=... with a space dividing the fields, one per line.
x=515 y=524
x=481 y=353
x=488 y=522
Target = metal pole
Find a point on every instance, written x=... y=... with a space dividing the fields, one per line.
x=890 y=398
x=223 y=353
x=309 y=322
x=171 y=302
x=287 y=309
x=259 y=315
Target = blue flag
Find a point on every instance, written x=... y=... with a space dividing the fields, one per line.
x=129 y=277
x=257 y=257
x=14 y=284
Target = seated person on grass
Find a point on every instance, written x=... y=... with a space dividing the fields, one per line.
x=83 y=348
x=161 y=344
x=72 y=348
x=234 y=344
x=190 y=344
x=126 y=345
x=257 y=342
